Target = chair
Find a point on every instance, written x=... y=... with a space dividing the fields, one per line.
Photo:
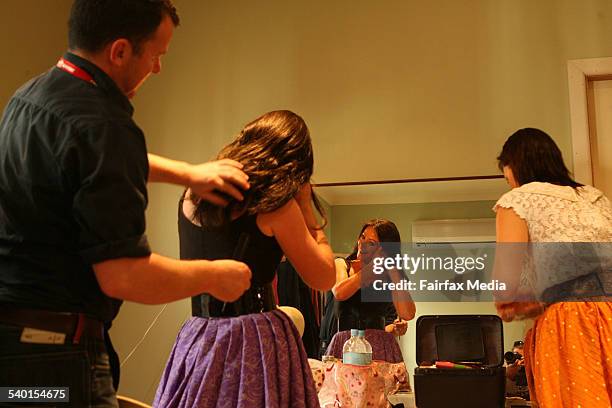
x=125 y=402
x=515 y=402
x=296 y=316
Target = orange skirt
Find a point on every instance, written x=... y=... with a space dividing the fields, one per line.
x=568 y=356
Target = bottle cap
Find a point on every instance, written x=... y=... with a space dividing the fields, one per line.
x=361 y=333
x=354 y=332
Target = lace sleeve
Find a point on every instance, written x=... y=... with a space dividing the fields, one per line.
x=515 y=200
x=604 y=204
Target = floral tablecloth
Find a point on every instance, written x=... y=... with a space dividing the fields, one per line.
x=346 y=385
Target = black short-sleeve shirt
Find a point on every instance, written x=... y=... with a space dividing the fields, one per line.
x=73 y=172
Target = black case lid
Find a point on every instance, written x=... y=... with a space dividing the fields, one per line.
x=456 y=338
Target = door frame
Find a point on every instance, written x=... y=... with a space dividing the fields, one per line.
x=581 y=74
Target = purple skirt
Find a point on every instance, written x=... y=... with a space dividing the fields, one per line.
x=384 y=345
x=250 y=361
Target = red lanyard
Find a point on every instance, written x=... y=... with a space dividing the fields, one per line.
x=72 y=69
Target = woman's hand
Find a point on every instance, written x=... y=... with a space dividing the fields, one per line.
x=399 y=327
x=303 y=198
x=509 y=311
x=506 y=310
x=304 y=195
x=367 y=273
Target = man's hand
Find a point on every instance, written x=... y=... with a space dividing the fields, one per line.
x=231 y=280
x=207 y=180
x=210 y=181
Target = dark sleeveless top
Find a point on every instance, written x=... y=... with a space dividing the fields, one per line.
x=262 y=254
x=352 y=313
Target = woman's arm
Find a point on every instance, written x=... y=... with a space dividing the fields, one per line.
x=404 y=305
x=512 y=236
x=306 y=248
x=346 y=286
x=510 y=227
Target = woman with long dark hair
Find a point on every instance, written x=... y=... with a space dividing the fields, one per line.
x=568 y=351
x=247 y=353
x=378 y=237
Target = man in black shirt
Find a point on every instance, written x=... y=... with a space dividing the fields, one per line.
x=73 y=174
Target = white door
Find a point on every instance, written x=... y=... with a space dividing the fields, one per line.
x=601 y=135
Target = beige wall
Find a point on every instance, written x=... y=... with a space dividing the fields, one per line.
x=33 y=37
x=423 y=85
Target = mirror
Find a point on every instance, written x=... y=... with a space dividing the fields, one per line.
x=418 y=208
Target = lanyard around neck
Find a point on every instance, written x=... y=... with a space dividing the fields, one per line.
x=72 y=69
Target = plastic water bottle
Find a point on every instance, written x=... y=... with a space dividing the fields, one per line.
x=357 y=350
x=368 y=346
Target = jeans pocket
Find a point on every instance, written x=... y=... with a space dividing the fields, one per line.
x=50 y=369
x=102 y=390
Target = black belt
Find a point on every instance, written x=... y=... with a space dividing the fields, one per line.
x=257 y=299
x=594 y=287
x=74 y=325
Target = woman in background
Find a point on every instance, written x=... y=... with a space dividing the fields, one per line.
x=353 y=274
x=568 y=351
x=246 y=353
x=329 y=323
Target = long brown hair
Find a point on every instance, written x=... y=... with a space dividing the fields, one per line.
x=276 y=152
x=534 y=156
x=388 y=235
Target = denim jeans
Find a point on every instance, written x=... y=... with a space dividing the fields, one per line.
x=83 y=367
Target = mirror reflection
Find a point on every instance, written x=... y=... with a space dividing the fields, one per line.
x=424 y=212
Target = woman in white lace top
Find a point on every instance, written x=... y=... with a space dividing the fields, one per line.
x=569 y=350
